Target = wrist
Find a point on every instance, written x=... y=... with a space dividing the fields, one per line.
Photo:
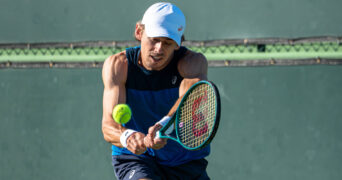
x=125 y=135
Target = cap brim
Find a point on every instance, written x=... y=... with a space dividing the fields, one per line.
x=159 y=31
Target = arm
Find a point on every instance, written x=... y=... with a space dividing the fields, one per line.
x=193 y=67
x=114 y=75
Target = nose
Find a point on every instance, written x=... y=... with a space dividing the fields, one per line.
x=158 y=47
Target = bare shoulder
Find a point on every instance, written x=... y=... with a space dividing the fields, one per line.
x=193 y=65
x=118 y=59
x=114 y=68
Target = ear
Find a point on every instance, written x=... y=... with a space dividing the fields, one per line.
x=138 y=32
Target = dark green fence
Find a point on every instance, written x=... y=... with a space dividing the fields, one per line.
x=277 y=123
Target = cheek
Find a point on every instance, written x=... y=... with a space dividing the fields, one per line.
x=144 y=52
x=148 y=46
x=170 y=50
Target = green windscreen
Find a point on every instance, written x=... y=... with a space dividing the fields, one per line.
x=276 y=123
x=33 y=21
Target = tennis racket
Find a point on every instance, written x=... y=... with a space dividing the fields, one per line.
x=197 y=117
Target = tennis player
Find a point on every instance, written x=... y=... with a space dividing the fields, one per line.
x=151 y=79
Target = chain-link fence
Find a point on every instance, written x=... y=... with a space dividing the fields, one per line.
x=247 y=52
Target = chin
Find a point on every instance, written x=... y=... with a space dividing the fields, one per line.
x=156 y=63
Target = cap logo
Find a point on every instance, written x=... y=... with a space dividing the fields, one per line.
x=180 y=28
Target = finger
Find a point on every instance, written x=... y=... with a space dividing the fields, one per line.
x=139 y=140
x=154 y=129
x=140 y=150
x=161 y=141
x=147 y=141
x=159 y=144
x=141 y=144
x=136 y=143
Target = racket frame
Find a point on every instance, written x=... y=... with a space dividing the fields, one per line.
x=175 y=118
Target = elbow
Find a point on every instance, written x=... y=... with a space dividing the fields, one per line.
x=106 y=137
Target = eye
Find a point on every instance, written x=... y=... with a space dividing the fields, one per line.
x=155 y=40
x=167 y=43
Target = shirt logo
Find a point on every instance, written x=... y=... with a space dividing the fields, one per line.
x=131 y=174
x=174 y=80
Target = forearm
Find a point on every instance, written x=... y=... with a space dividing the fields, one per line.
x=112 y=132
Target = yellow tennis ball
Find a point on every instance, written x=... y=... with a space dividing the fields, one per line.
x=122 y=113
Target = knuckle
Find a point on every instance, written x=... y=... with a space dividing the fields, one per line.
x=151 y=129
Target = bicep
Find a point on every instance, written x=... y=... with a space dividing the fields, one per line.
x=114 y=78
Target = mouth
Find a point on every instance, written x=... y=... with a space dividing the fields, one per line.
x=156 y=58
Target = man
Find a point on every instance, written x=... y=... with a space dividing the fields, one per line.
x=151 y=79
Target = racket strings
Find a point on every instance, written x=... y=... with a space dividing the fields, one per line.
x=197 y=116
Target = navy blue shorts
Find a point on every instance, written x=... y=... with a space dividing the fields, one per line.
x=132 y=167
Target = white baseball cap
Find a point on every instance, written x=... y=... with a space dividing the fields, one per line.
x=164 y=20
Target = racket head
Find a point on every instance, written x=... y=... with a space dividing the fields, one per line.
x=198 y=116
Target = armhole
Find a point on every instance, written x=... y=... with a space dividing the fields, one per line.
x=132 y=55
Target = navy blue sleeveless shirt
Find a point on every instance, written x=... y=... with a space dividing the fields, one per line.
x=151 y=95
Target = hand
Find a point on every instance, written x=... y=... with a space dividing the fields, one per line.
x=135 y=143
x=151 y=141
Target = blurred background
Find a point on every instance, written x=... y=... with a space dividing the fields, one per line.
x=277 y=65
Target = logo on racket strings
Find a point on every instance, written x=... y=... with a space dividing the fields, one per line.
x=198 y=115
